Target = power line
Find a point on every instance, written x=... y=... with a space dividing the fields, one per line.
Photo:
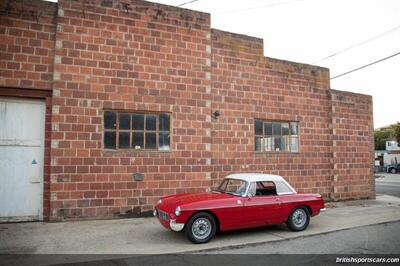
x=188 y=2
x=358 y=44
x=367 y=65
x=258 y=7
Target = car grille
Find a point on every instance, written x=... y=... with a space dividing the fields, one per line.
x=163 y=215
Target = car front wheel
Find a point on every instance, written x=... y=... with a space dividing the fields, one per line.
x=299 y=219
x=200 y=228
x=393 y=171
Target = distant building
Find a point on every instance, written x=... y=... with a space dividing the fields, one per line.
x=391 y=154
x=392 y=145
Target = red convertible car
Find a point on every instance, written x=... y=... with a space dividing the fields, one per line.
x=241 y=201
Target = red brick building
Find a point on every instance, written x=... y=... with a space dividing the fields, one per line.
x=135 y=90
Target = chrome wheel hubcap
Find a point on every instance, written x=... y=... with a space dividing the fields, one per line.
x=299 y=218
x=201 y=228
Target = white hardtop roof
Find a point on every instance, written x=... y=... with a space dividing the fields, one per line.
x=256 y=177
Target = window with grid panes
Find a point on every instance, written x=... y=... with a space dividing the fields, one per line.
x=271 y=136
x=137 y=131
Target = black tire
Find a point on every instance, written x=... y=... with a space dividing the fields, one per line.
x=393 y=170
x=201 y=222
x=295 y=221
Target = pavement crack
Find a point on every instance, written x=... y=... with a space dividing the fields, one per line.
x=277 y=235
x=367 y=240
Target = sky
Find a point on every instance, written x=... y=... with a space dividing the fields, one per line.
x=308 y=30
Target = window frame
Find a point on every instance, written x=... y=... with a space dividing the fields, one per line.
x=277 y=190
x=264 y=135
x=290 y=191
x=117 y=130
x=261 y=183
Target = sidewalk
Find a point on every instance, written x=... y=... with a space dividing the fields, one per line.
x=147 y=236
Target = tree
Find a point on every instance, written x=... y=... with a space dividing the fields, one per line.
x=396 y=132
x=382 y=135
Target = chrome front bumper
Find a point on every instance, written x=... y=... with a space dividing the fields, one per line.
x=176 y=226
x=172 y=223
x=322 y=210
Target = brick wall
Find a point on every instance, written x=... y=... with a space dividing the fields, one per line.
x=135 y=57
x=27 y=31
x=139 y=56
x=353 y=145
x=245 y=86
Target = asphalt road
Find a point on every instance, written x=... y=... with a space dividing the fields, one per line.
x=388 y=184
x=372 y=239
x=381 y=240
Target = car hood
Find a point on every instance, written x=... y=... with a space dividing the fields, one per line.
x=189 y=199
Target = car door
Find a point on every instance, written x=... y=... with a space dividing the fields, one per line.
x=261 y=209
x=230 y=213
x=230 y=209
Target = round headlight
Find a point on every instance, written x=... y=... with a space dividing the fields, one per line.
x=159 y=201
x=178 y=211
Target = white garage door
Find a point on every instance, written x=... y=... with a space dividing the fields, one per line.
x=21 y=159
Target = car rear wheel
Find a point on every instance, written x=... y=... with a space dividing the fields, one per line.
x=299 y=219
x=393 y=171
x=200 y=228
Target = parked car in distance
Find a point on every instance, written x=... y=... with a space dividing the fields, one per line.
x=393 y=168
x=242 y=200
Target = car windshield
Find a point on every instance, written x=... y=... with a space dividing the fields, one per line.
x=233 y=186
